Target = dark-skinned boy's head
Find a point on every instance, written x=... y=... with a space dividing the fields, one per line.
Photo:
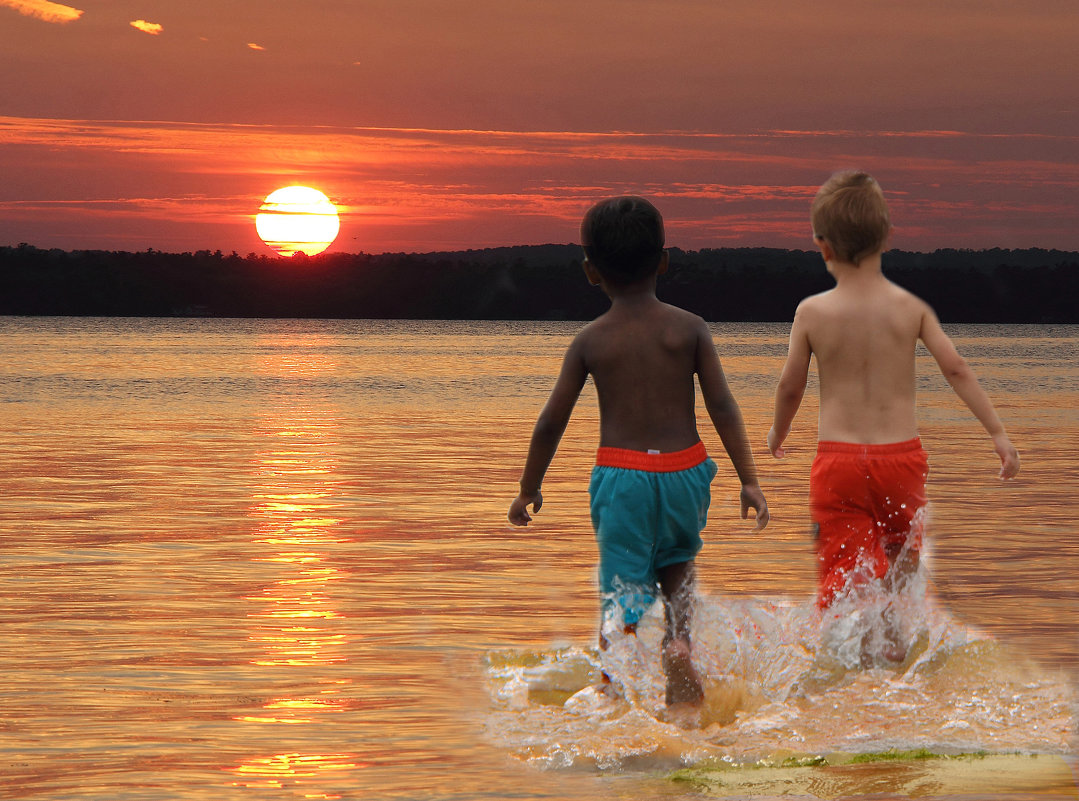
x=623 y=239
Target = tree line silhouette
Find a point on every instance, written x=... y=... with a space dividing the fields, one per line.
x=542 y=282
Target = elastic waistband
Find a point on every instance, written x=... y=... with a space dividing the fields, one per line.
x=829 y=446
x=652 y=462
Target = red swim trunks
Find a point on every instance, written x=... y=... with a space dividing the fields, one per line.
x=864 y=500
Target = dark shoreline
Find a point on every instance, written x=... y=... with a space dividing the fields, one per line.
x=528 y=282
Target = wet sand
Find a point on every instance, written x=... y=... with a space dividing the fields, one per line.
x=840 y=776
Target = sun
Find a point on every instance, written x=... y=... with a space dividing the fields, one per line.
x=297 y=219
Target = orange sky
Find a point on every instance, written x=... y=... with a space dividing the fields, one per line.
x=442 y=125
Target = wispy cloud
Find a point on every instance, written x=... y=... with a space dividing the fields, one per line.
x=152 y=28
x=254 y=46
x=44 y=10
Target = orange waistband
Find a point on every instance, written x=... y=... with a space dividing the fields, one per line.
x=652 y=462
x=830 y=446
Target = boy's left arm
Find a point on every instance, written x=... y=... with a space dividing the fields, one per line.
x=727 y=419
x=547 y=434
x=966 y=385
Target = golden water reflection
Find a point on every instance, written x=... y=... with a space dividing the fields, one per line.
x=296 y=511
x=266 y=557
x=298 y=626
x=275 y=772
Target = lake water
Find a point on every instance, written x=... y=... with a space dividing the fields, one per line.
x=269 y=559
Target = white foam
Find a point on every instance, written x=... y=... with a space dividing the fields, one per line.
x=779 y=678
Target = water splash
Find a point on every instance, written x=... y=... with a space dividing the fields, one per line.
x=782 y=679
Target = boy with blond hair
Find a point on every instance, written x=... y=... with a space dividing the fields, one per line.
x=650 y=487
x=867 y=484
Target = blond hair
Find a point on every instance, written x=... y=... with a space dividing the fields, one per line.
x=849 y=211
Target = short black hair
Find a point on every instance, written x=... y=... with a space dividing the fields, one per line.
x=623 y=238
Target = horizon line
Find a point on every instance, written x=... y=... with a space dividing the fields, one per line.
x=327 y=254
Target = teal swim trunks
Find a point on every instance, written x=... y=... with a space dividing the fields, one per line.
x=648 y=511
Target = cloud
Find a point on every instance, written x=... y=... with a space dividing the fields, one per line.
x=44 y=10
x=152 y=28
x=254 y=46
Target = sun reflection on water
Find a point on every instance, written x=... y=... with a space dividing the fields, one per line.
x=296 y=513
x=298 y=626
x=273 y=772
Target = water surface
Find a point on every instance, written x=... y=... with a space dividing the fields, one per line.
x=248 y=559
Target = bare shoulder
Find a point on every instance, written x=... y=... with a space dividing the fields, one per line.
x=687 y=320
x=815 y=307
x=906 y=303
x=588 y=330
x=683 y=316
x=813 y=303
x=905 y=295
x=690 y=328
x=588 y=334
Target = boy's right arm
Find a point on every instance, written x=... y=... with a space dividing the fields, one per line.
x=792 y=385
x=965 y=383
x=548 y=433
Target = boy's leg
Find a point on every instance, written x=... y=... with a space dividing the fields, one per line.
x=604 y=643
x=620 y=508
x=901 y=483
x=903 y=560
x=676 y=582
x=902 y=565
x=684 y=502
x=683 y=683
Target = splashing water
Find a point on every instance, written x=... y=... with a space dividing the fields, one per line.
x=782 y=679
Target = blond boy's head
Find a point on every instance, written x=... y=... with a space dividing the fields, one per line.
x=850 y=214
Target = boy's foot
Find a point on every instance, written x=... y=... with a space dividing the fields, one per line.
x=683 y=683
x=593 y=699
x=893 y=649
x=889 y=649
x=607 y=687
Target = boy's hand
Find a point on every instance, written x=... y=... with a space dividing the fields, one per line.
x=518 y=514
x=1009 y=456
x=775 y=443
x=751 y=496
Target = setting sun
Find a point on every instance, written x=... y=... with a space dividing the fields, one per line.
x=297 y=219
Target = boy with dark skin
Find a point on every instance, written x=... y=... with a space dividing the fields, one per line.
x=868 y=479
x=649 y=489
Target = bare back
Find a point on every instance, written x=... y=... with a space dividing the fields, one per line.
x=642 y=357
x=863 y=334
